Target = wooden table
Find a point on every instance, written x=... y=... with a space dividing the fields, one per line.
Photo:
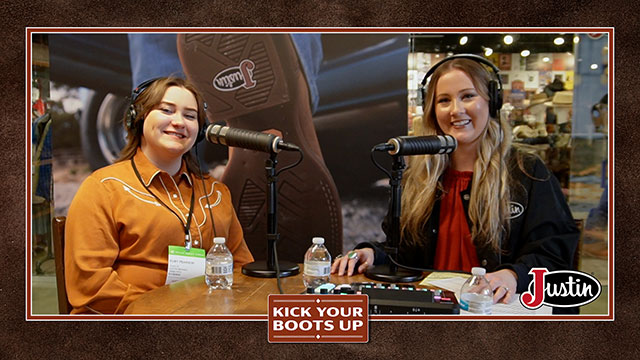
x=248 y=295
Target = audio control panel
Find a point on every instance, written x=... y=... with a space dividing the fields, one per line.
x=401 y=299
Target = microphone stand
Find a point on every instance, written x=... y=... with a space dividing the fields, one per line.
x=271 y=267
x=390 y=272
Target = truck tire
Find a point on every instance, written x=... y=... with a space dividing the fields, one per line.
x=101 y=129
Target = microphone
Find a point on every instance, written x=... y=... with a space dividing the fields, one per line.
x=419 y=145
x=247 y=139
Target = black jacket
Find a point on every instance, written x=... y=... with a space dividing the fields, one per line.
x=542 y=234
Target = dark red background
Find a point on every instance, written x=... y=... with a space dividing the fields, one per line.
x=160 y=339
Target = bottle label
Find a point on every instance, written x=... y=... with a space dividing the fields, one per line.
x=220 y=269
x=476 y=303
x=317 y=268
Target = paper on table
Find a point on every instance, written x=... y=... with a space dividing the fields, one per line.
x=451 y=283
x=454 y=284
x=438 y=275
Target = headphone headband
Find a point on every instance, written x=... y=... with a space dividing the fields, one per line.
x=474 y=57
x=495 y=88
x=140 y=88
x=131 y=112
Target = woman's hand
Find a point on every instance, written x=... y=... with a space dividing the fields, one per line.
x=344 y=265
x=503 y=283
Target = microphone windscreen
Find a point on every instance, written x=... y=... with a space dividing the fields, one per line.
x=246 y=139
x=423 y=145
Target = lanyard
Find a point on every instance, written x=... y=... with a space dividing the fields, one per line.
x=187 y=233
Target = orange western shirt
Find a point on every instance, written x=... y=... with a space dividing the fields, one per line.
x=117 y=234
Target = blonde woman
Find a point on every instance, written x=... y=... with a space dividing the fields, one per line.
x=485 y=204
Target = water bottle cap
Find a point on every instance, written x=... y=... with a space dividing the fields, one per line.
x=218 y=240
x=318 y=240
x=478 y=271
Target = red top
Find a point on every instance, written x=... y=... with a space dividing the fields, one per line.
x=455 y=250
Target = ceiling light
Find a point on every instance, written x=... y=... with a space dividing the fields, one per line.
x=508 y=39
x=546 y=59
x=559 y=40
x=464 y=40
x=576 y=39
x=525 y=53
x=488 y=51
x=594 y=66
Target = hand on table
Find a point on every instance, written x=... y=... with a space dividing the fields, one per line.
x=503 y=283
x=345 y=265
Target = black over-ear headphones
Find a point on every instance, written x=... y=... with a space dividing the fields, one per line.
x=494 y=87
x=132 y=113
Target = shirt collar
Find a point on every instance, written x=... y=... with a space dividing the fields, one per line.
x=148 y=171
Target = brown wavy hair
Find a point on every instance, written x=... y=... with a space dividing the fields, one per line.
x=146 y=101
x=490 y=195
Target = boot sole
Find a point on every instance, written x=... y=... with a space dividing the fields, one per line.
x=254 y=82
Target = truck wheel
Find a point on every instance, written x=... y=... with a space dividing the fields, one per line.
x=101 y=129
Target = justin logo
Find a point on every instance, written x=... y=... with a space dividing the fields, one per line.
x=563 y=288
x=236 y=77
x=515 y=209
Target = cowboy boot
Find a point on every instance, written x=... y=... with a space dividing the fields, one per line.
x=256 y=82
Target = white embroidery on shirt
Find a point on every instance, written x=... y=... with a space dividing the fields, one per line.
x=131 y=190
x=187 y=176
x=218 y=199
x=151 y=178
x=203 y=202
x=217 y=202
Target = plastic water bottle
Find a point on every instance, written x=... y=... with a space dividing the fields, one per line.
x=219 y=270
x=476 y=295
x=317 y=264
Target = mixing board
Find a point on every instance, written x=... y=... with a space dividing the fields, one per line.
x=397 y=298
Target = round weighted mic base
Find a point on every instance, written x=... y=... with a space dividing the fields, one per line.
x=386 y=274
x=262 y=269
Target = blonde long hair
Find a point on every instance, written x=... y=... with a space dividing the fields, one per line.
x=148 y=99
x=490 y=196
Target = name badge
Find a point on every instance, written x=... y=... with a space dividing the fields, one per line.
x=185 y=264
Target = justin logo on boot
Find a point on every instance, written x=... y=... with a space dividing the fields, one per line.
x=233 y=78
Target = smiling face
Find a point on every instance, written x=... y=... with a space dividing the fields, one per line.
x=460 y=109
x=170 y=129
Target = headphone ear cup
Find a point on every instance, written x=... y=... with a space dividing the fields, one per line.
x=495 y=99
x=131 y=112
x=201 y=135
x=498 y=102
x=202 y=131
x=131 y=117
